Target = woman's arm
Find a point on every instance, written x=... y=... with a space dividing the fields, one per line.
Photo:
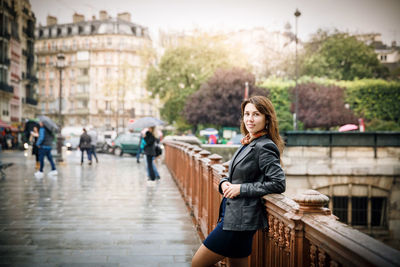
x=274 y=181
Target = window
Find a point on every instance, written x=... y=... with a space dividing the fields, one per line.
x=359 y=210
x=340 y=205
x=84 y=71
x=378 y=213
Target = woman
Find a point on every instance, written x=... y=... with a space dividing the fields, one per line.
x=149 y=147
x=254 y=171
x=34 y=135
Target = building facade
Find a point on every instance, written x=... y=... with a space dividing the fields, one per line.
x=102 y=82
x=18 y=80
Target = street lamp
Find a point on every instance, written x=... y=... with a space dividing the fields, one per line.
x=60 y=139
x=297 y=15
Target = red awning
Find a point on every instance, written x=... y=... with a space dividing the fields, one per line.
x=4 y=124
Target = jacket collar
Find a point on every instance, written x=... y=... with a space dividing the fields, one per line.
x=237 y=158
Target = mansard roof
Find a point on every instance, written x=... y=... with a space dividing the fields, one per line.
x=92 y=27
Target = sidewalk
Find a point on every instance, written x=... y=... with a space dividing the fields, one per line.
x=106 y=214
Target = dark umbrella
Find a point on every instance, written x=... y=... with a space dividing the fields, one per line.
x=29 y=127
x=145 y=122
x=48 y=123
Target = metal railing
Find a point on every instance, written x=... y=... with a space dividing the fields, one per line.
x=302 y=232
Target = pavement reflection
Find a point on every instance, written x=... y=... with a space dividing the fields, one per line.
x=106 y=214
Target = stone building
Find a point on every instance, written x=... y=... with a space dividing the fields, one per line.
x=102 y=82
x=17 y=62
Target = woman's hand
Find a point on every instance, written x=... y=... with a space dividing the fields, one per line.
x=230 y=190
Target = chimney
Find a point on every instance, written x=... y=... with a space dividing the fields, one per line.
x=51 y=20
x=103 y=15
x=394 y=44
x=125 y=16
x=78 y=18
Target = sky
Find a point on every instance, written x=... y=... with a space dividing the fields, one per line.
x=353 y=16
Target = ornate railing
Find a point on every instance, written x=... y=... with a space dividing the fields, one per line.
x=302 y=231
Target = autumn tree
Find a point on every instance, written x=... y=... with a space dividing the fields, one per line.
x=182 y=70
x=322 y=106
x=218 y=100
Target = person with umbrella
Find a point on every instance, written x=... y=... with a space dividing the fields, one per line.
x=44 y=143
x=149 y=143
x=33 y=138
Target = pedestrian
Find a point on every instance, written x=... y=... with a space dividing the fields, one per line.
x=149 y=143
x=140 y=149
x=85 y=145
x=93 y=142
x=33 y=138
x=254 y=171
x=44 y=144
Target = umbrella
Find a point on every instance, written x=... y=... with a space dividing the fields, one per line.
x=145 y=122
x=48 y=123
x=348 y=127
x=208 y=131
x=29 y=127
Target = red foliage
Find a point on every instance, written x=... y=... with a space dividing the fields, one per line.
x=322 y=106
x=218 y=100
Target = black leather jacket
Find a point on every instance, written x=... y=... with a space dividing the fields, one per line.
x=257 y=168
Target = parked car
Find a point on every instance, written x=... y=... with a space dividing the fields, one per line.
x=235 y=140
x=126 y=143
x=104 y=141
x=72 y=143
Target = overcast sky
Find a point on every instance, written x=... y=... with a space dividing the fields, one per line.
x=354 y=16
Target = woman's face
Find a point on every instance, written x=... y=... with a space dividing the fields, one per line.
x=253 y=119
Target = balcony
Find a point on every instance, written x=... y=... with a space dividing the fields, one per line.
x=80 y=111
x=31 y=101
x=6 y=88
x=81 y=95
x=5 y=35
x=5 y=61
x=302 y=231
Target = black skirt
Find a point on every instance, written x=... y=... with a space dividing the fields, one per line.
x=231 y=244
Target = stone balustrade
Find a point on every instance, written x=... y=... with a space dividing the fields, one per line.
x=302 y=231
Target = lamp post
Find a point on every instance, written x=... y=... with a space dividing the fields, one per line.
x=60 y=139
x=297 y=15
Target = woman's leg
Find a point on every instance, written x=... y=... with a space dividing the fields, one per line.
x=150 y=167
x=238 y=262
x=41 y=159
x=205 y=257
x=50 y=158
x=155 y=170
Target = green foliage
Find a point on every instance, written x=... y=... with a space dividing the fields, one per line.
x=374 y=99
x=380 y=125
x=340 y=56
x=377 y=101
x=181 y=71
x=279 y=95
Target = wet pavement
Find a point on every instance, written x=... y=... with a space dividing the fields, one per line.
x=106 y=214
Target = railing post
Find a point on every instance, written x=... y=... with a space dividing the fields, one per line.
x=211 y=222
x=310 y=202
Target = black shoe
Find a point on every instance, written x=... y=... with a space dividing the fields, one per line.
x=90 y=162
x=81 y=162
x=138 y=161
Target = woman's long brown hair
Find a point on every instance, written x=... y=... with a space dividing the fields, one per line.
x=264 y=106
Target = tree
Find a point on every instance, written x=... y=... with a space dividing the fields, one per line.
x=182 y=70
x=218 y=100
x=322 y=106
x=340 y=56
